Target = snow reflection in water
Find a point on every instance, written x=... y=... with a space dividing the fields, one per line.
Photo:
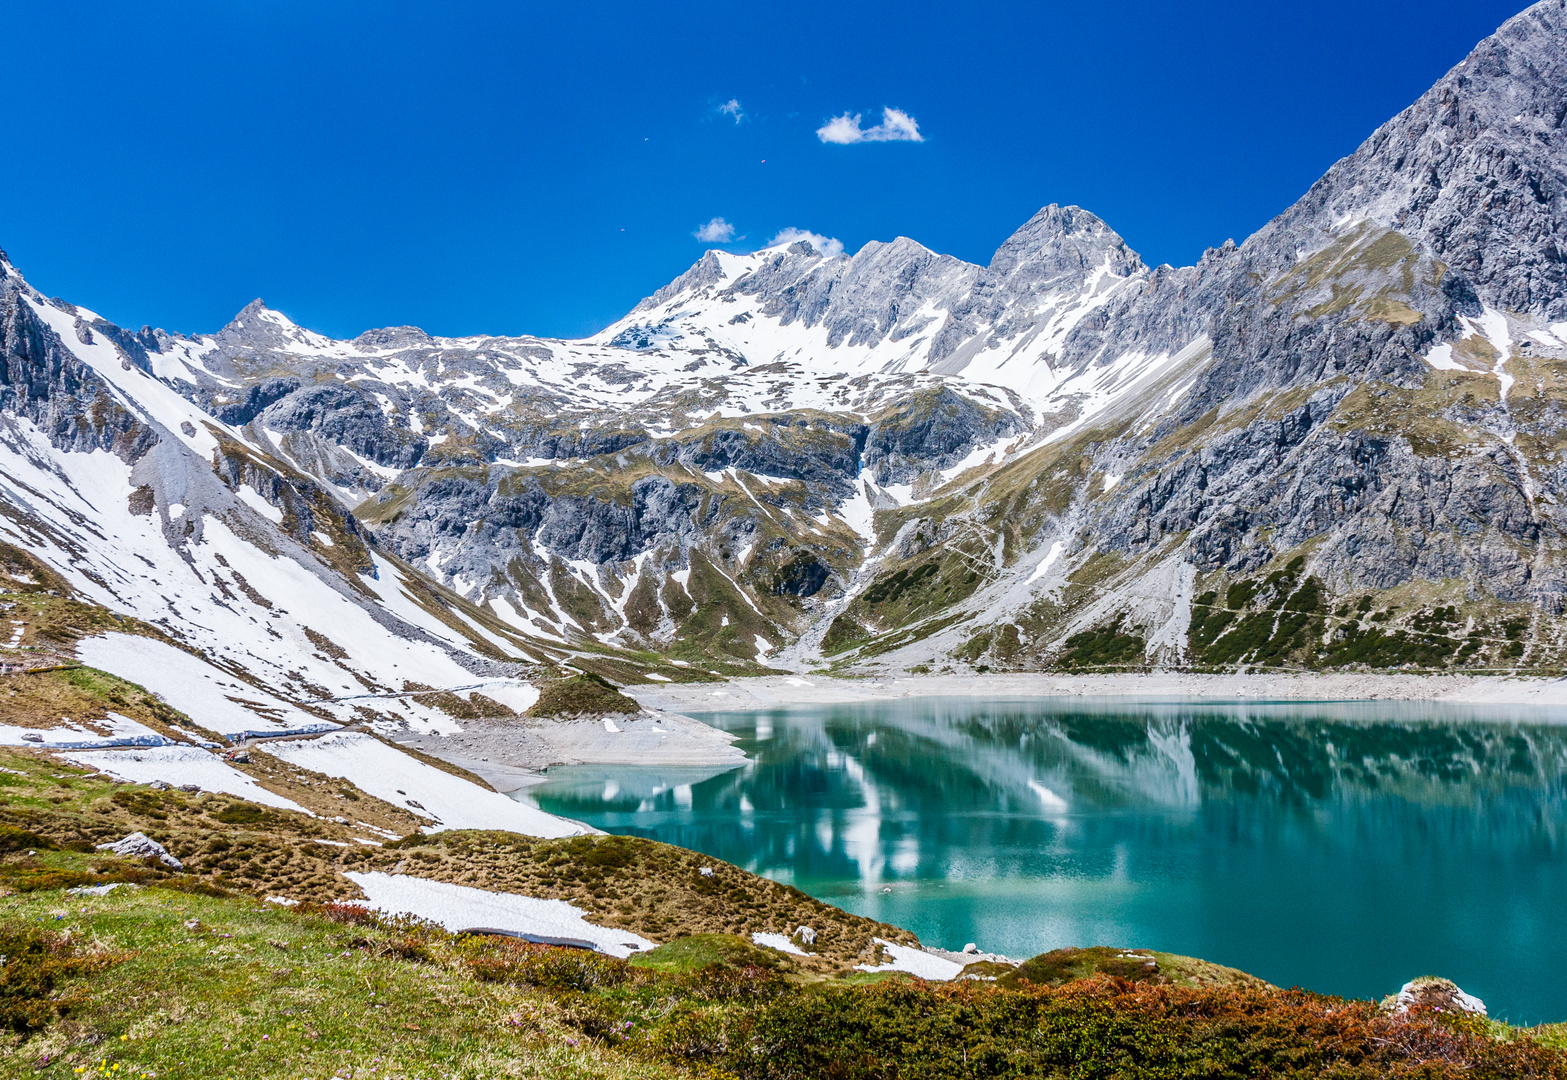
x=1345 y=847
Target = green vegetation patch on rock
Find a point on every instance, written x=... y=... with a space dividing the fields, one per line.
x=582 y=695
x=1108 y=646
x=844 y=633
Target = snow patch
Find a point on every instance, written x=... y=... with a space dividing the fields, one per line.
x=776 y=941
x=1441 y=358
x=252 y=498
x=1047 y=562
x=179 y=765
x=460 y=907
x=448 y=801
x=916 y=962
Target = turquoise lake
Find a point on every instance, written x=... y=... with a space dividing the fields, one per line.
x=1341 y=847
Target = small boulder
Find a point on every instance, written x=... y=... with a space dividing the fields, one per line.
x=1440 y=994
x=158 y=785
x=140 y=846
x=971 y=948
x=805 y=935
x=706 y=871
x=32 y=736
x=191 y=789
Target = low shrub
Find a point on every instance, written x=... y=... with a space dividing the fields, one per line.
x=33 y=964
x=1098 y=1028
x=241 y=814
x=26 y=879
x=1064 y=965
x=697 y=952
x=14 y=839
x=347 y=914
x=549 y=967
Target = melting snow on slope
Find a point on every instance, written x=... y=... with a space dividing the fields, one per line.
x=459 y=907
x=181 y=765
x=209 y=696
x=252 y=498
x=1441 y=358
x=73 y=512
x=516 y=695
x=140 y=392
x=776 y=941
x=1047 y=562
x=450 y=802
x=1491 y=325
x=122 y=731
x=916 y=962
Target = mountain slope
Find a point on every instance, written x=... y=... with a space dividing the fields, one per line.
x=1335 y=444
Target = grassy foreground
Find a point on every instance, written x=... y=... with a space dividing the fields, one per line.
x=191 y=974
x=149 y=983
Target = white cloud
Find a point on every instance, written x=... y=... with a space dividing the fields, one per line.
x=896 y=126
x=824 y=245
x=733 y=108
x=717 y=231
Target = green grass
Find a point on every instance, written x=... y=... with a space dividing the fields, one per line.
x=151 y=984
x=708 y=950
x=252 y=990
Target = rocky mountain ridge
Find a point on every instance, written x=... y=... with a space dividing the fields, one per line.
x=1335 y=444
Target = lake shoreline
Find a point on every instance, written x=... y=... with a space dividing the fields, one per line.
x=776 y=690
x=510 y=754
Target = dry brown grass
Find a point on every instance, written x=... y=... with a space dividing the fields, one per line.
x=653 y=889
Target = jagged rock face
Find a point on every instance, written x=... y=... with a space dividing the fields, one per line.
x=348 y=418
x=1453 y=207
x=41 y=381
x=202 y=557
x=1338 y=442
x=1475 y=171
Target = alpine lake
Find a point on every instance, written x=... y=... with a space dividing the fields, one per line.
x=1342 y=847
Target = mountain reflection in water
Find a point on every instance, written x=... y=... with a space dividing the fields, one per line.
x=1342 y=847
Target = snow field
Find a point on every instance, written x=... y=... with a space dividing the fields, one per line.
x=122 y=731
x=210 y=697
x=447 y=801
x=178 y=765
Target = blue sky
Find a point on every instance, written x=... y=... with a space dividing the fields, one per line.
x=533 y=168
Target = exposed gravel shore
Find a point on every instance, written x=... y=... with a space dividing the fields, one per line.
x=808 y=689
x=511 y=754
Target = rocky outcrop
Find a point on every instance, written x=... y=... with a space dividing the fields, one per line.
x=41 y=381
